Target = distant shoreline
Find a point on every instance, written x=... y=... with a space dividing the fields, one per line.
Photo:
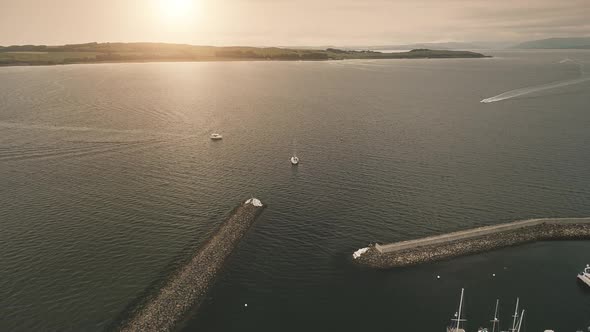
x=211 y=60
x=92 y=53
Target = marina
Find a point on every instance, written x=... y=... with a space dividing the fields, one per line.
x=458 y=323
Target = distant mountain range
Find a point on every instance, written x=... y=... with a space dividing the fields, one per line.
x=433 y=46
x=556 y=43
x=550 y=43
x=460 y=46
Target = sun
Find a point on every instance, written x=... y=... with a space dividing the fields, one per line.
x=177 y=11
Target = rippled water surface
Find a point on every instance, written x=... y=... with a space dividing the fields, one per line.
x=108 y=178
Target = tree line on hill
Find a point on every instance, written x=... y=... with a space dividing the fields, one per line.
x=130 y=52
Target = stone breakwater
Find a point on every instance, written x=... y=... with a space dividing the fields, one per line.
x=473 y=241
x=186 y=288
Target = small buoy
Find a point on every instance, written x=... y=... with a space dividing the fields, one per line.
x=437 y=277
x=245 y=304
x=493 y=274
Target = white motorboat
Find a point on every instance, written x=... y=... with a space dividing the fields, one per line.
x=584 y=276
x=216 y=136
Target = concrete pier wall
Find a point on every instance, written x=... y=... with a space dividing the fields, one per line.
x=475 y=240
x=187 y=288
x=476 y=232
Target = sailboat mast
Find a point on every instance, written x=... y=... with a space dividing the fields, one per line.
x=460 y=308
x=513 y=329
x=495 y=321
x=520 y=322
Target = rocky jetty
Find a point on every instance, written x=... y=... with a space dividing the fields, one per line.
x=186 y=288
x=453 y=246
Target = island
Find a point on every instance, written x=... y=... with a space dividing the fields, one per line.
x=35 y=55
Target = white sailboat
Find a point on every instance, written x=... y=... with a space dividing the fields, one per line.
x=515 y=316
x=496 y=322
x=516 y=322
x=456 y=322
x=294 y=159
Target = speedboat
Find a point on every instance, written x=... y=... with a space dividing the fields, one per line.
x=584 y=276
x=294 y=160
x=215 y=136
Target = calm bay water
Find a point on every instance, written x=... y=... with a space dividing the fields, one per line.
x=107 y=178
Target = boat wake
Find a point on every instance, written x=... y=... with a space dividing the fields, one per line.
x=27 y=126
x=532 y=89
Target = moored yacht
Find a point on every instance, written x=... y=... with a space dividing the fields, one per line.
x=456 y=322
x=584 y=276
x=517 y=323
x=495 y=322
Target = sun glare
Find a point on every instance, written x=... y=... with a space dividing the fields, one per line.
x=177 y=11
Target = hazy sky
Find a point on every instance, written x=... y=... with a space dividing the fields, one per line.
x=289 y=22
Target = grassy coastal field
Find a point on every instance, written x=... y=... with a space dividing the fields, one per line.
x=137 y=52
